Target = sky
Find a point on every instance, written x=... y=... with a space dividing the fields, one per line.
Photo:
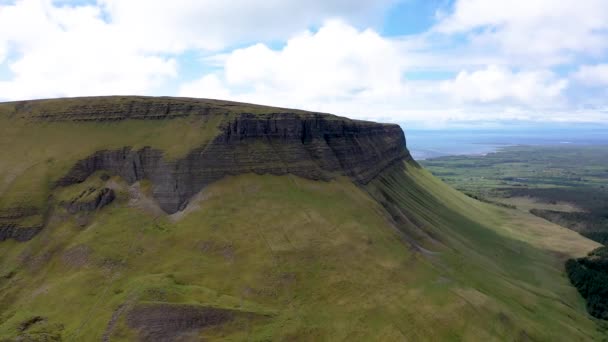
x=420 y=63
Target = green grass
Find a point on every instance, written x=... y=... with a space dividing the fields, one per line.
x=521 y=167
x=324 y=260
x=405 y=257
x=38 y=154
x=565 y=185
x=61 y=108
x=41 y=142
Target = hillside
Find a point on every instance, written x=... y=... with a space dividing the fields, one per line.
x=133 y=218
x=562 y=184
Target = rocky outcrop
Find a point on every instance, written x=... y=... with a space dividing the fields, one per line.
x=93 y=200
x=314 y=146
x=16 y=223
x=16 y=232
x=172 y=322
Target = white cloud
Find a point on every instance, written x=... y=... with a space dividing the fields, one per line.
x=484 y=59
x=495 y=83
x=159 y=25
x=337 y=64
x=3 y=52
x=539 y=31
x=209 y=86
x=592 y=75
x=130 y=47
x=70 y=51
x=346 y=71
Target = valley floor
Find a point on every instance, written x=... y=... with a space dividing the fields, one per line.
x=567 y=185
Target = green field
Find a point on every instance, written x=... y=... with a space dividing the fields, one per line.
x=566 y=185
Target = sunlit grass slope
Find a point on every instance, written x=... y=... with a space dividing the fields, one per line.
x=403 y=258
x=36 y=154
x=41 y=140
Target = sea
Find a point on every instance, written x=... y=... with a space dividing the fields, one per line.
x=427 y=144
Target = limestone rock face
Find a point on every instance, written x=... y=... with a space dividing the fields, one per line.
x=11 y=226
x=100 y=199
x=18 y=233
x=245 y=138
x=314 y=146
x=163 y=322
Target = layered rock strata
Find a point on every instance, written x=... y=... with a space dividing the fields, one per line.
x=95 y=199
x=174 y=322
x=18 y=232
x=313 y=146
x=14 y=224
x=251 y=139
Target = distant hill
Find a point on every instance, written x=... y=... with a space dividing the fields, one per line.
x=174 y=219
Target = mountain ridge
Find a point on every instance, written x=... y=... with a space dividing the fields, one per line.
x=312 y=227
x=307 y=144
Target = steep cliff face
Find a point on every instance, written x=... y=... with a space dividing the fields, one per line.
x=14 y=223
x=313 y=146
x=17 y=232
x=93 y=199
x=131 y=137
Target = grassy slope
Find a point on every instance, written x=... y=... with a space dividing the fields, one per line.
x=37 y=152
x=40 y=153
x=55 y=108
x=323 y=259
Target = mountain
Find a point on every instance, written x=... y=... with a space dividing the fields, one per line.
x=175 y=219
